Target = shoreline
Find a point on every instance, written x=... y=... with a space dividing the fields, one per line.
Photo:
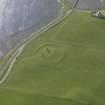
x=20 y=47
x=10 y=41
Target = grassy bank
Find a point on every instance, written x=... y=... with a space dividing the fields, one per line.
x=66 y=62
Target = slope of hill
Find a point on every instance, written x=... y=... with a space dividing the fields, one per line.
x=65 y=65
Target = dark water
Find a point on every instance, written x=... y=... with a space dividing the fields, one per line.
x=19 y=15
x=89 y=4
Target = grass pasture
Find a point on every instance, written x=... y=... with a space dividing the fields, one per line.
x=64 y=66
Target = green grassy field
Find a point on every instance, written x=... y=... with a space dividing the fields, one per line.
x=64 y=66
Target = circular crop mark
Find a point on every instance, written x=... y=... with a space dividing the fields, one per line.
x=51 y=53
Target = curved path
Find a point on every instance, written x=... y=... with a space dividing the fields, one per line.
x=9 y=64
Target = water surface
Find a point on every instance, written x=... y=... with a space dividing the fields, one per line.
x=19 y=15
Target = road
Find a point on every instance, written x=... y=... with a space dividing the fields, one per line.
x=11 y=62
